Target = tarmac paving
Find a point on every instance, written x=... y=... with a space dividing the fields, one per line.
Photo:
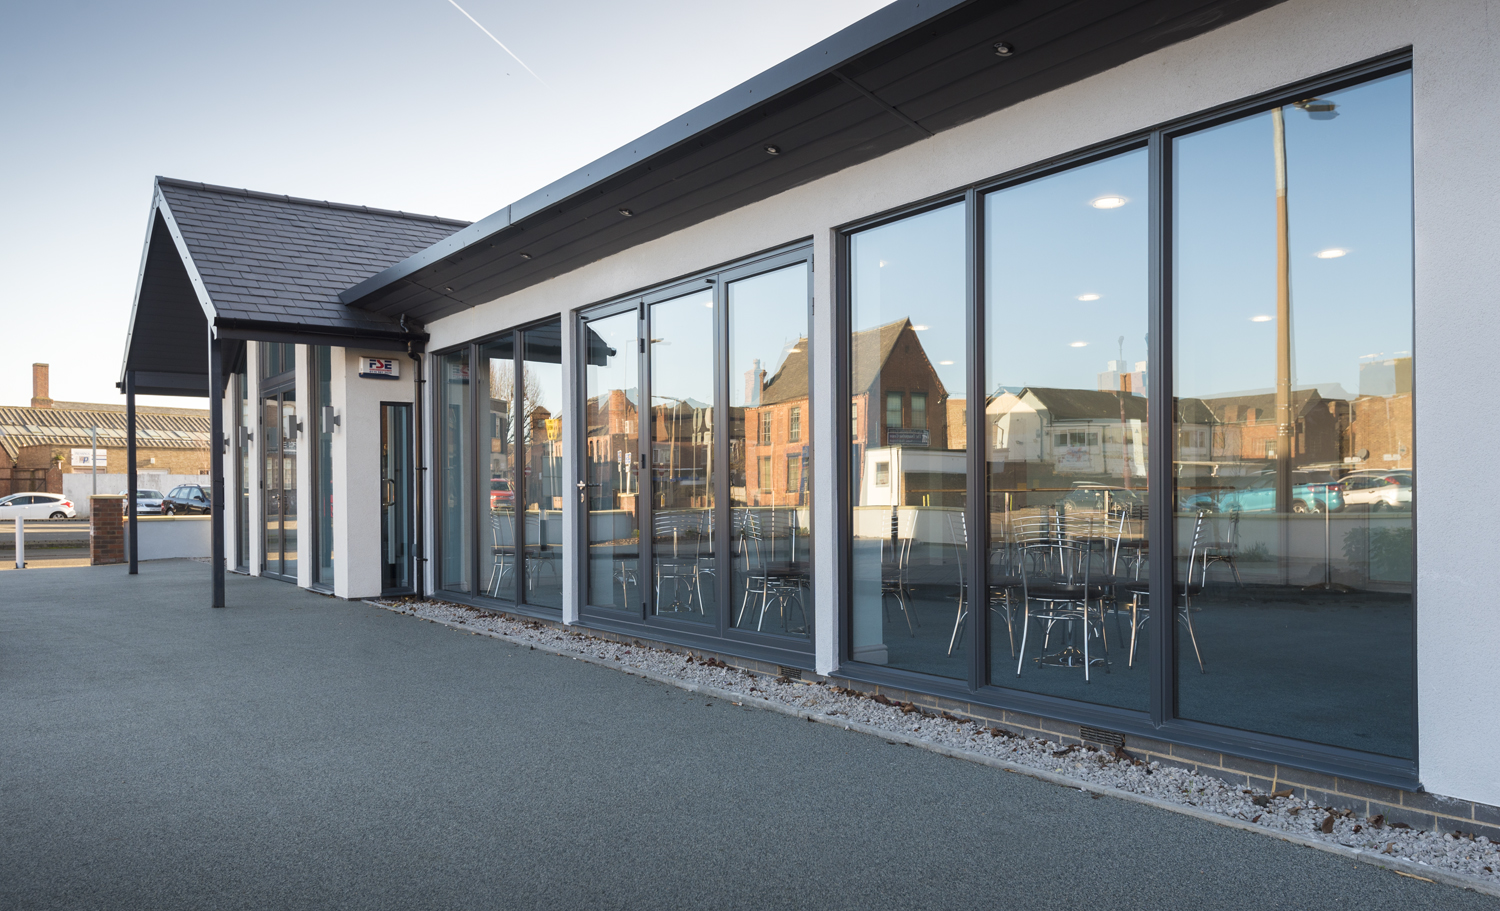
x=297 y=751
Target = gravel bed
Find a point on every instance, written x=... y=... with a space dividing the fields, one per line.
x=1276 y=812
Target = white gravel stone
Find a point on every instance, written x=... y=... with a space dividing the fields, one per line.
x=1472 y=856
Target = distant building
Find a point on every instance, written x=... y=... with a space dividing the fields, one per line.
x=50 y=439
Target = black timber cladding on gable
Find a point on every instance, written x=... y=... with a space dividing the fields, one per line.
x=826 y=109
x=279 y=261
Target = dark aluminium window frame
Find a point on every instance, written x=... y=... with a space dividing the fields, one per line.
x=313 y=430
x=479 y=431
x=783 y=650
x=1158 y=723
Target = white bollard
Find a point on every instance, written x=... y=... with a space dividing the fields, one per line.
x=20 y=543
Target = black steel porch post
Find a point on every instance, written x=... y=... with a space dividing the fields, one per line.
x=216 y=461
x=130 y=483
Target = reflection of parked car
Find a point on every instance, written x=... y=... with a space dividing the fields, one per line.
x=1259 y=495
x=36 y=506
x=147 y=502
x=186 y=500
x=501 y=494
x=1377 y=489
x=1089 y=498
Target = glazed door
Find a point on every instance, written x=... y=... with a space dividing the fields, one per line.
x=395 y=498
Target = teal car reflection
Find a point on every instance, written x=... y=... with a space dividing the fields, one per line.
x=1259 y=495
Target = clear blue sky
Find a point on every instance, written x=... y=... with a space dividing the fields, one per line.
x=402 y=105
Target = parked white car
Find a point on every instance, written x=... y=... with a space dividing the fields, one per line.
x=147 y=502
x=36 y=506
x=1378 y=489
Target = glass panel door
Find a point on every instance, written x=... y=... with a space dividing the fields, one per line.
x=498 y=545
x=270 y=435
x=541 y=447
x=242 y=456
x=395 y=498
x=454 y=507
x=683 y=395
x=770 y=445
x=611 y=460
x=288 y=496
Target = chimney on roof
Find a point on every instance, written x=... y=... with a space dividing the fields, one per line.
x=39 y=387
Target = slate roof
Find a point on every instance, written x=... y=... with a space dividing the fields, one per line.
x=280 y=259
x=1087 y=404
x=22 y=427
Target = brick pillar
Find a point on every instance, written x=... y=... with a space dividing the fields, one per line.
x=54 y=479
x=106 y=529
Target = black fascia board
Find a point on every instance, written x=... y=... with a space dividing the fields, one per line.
x=305 y=334
x=879 y=28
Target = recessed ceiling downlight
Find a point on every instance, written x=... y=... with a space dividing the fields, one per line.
x=1108 y=202
x=1332 y=253
x=1088 y=297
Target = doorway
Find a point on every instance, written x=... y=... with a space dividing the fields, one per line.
x=395 y=498
x=279 y=430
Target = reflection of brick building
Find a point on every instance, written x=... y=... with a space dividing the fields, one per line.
x=777 y=430
x=37 y=442
x=1380 y=431
x=1242 y=428
x=611 y=446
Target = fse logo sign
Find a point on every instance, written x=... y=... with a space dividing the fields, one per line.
x=384 y=368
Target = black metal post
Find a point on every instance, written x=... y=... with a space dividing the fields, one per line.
x=216 y=461
x=130 y=483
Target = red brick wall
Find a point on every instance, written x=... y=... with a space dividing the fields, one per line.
x=106 y=530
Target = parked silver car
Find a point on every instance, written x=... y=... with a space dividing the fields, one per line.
x=147 y=502
x=1378 y=489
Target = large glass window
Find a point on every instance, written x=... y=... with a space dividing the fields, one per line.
x=279 y=429
x=768 y=389
x=1292 y=372
x=1282 y=540
x=455 y=508
x=909 y=482
x=611 y=460
x=323 y=376
x=1065 y=414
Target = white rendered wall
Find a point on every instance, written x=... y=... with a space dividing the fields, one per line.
x=356 y=468
x=1456 y=84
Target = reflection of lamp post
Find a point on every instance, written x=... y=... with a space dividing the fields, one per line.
x=1317 y=109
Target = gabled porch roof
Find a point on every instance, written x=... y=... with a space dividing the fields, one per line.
x=263 y=267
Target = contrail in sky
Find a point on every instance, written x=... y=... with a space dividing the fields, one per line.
x=499 y=42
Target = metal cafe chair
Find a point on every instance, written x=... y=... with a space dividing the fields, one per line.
x=768 y=578
x=1224 y=550
x=1139 y=592
x=895 y=574
x=677 y=567
x=502 y=555
x=1059 y=585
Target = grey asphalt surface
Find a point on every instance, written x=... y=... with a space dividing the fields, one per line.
x=296 y=751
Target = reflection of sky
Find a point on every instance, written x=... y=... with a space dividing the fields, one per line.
x=767 y=315
x=682 y=348
x=1348 y=187
x=1046 y=246
x=618 y=332
x=914 y=268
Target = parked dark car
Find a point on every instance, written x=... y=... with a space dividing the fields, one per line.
x=189 y=499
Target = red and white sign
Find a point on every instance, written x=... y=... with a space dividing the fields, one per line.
x=385 y=368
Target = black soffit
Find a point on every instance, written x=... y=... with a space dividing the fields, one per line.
x=894 y=78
